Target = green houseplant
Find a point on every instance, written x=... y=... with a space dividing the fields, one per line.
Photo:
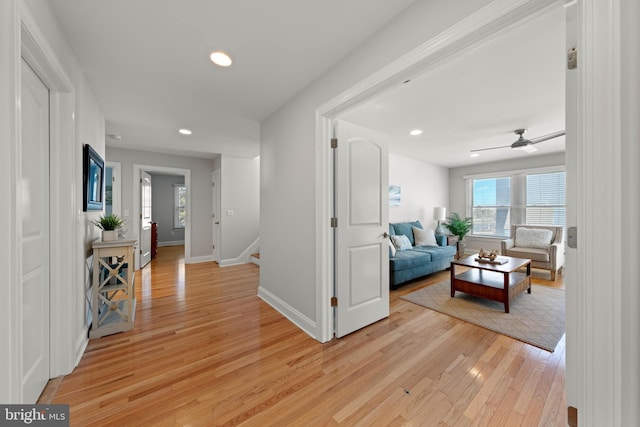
x=460 y=227
x=109 y=225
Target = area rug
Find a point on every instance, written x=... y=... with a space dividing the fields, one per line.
x=536 y=318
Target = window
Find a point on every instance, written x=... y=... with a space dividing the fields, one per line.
x=491 y=206
x=546 y=199
x=179 y=203
x=533 y=198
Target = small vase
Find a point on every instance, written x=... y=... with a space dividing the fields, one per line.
x=109 y=235
x=461 y=248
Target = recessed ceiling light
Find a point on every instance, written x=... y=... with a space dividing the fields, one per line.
x=474 y=155
x=184 y=131
x=220 y=58
x=114 y=136
x=416 y=132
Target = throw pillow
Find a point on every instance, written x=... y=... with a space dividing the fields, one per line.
x=392 y=249
x=538 y=238
x=424 y=237
x=401 y=242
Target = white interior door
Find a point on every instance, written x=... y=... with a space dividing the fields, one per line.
x=35 y=272
x=362 y=211
x=216 y=215
x=145 y=218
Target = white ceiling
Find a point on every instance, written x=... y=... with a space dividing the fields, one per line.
x=147 y=62
x=477 y=100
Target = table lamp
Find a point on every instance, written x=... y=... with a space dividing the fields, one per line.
x=439 y=214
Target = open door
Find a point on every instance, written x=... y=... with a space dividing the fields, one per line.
x=361 y=191
x=145 y=218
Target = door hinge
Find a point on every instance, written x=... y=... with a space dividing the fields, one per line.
x=572 y=237
x=334 y=142
x=572 y=58
x=140 y=251
x=334 y=222
x=334 y=301
x=140 y=216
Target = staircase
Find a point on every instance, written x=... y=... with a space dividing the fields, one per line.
x=255 y=258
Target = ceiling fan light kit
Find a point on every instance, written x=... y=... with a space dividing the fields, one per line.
x=523 y=144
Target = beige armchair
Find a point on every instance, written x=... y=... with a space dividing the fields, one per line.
x=543 y=245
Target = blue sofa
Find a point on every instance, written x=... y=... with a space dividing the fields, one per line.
x=418 y=261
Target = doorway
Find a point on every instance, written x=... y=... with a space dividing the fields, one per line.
x=138 y=172
x=430 y=54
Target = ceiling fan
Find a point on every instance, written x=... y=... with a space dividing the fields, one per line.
x=523 y=143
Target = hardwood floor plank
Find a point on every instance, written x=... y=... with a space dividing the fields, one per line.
x=207 y=351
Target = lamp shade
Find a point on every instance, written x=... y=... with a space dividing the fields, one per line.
x=439 y=214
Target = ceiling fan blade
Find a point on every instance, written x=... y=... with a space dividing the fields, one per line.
x=486 y=149
x=547 y=137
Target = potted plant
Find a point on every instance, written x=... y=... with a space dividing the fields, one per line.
x=109 y=225
x=460 y=227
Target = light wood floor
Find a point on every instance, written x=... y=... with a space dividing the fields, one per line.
x=207 y=351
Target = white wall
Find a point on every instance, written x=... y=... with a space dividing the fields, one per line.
x=76 y=119
x=239 y=208
x=288 y=172
x=201 y=197
x=162 y=187
x=457 y=188
x=423 y=187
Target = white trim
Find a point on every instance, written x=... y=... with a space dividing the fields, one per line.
x=497 y=17
x=502 y=174
x=66 y=288
x=297 y=318
x=136 y=205
x=244 y=257
x=199 y=259
x=600 y=168
x=10 y=365
x=171 y=243
x=216 y=196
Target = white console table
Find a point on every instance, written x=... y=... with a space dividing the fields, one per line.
x=113 y=295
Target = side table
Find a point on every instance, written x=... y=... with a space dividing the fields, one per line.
x=113 y=296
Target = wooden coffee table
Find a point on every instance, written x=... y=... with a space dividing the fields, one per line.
x=497 y=282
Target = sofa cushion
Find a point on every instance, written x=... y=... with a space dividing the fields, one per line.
x=534 y=254
x=538 y=238
x=424 y=237
x=409 y=259
x=437 y=253
x=401 y=242
x=405 y=228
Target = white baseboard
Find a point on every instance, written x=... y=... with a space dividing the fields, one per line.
x=199 y=259
x=245 y=256
x=171 y=243
x=300 y=320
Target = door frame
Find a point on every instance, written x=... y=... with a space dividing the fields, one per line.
x=137 y=168
x=215 y=179
x=497 y=17
x=24 y=38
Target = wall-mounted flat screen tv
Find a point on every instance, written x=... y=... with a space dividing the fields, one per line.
x=93 y=178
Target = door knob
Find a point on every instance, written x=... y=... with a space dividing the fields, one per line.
x=385 y=235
